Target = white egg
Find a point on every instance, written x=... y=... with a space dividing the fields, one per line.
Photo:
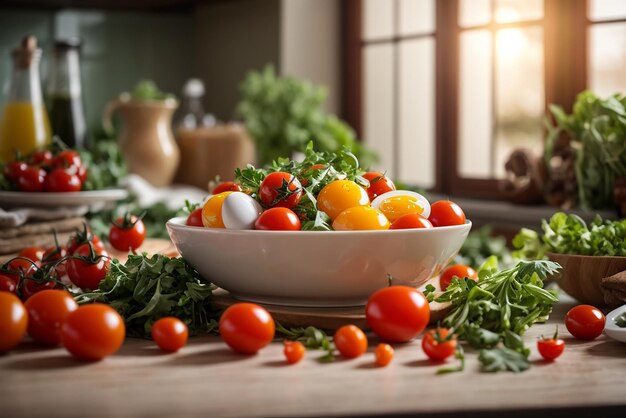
x=240 y=211
x=405 y=195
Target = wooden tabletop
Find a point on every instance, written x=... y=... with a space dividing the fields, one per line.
x=207 y=379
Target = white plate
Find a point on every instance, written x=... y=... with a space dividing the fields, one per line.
x=611 y=329
x=45 y=199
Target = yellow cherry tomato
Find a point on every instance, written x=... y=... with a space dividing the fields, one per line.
x=212 y=211
x=360 y=218
x=340 y=195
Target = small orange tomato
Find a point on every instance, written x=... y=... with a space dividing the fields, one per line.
x=47 y=310
x=170 y=334
x=350 y=341
x=294 y=351
x=439 y=344
x=458 y=270
x=384 y=354
x=13 y=321
x=247 y=327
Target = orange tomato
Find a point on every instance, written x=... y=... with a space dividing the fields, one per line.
x=247 y=327
x=47 y=310
x=384 y=354
x=170 y=334
x=360 y=218
x=13 y=321
x=438 y=344
x=458 y=270
x=340 y=195
x=350 y=341
x=294 y=351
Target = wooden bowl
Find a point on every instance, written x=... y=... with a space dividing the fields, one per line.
x=582 y=275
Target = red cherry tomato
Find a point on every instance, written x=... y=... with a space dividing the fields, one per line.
x=458 y=270
x=411 y=221
x=170 y=334
x=350 y=341
x=280 y=189
x=195 y=218
x=246 y=327
x=53 y=255
x=7 y=284
x=446 y=213
x=127 y=233
x=384 y=354
x=550 y=348
x=66 y=159
x=13 y=321
x=14 y=169
x=397 y=313
x=41 y=157
x=46 y=312
x=278 y=219
x=226 y=186
x=293 y=351
x=32 y=253
x=585 y=322
x=31 y=179
x=83 y=237
x=379 y=184
x=88 y=272
x=438 y=344
x=31 y=287
x=93 y=332
x=62 y=180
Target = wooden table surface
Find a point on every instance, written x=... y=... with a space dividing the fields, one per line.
x=207 y=379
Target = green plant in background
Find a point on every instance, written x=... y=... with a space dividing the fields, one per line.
x=597 y=128
x=480 y=245
x=148 y=90
x=105 y=164
x=283 y=114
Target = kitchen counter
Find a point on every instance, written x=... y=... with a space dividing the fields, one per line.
x=208 y=379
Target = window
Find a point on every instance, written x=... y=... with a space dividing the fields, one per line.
x=445 y=90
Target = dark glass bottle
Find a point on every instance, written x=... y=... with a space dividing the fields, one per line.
x=65 y=103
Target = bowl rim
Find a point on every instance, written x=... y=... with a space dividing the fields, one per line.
x=179 y=223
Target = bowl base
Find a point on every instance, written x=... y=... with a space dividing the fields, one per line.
x=302 y=303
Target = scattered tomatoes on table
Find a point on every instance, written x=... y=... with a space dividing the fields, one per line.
x=446 y=213
x=550 y=348
x=439 y=344
x=46 y=312
x=170 y=334
x=397 y=313
x=350 y=341
x=13 y=321
x=127 y=233
x=458 y=270
x=293 y=351
x=384 y=354
x=93 y=332
x=246 y=327
x=585 y=322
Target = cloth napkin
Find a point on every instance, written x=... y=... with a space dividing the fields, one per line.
x=16 y=217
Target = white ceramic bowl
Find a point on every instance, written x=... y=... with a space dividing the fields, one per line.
x=315 y=268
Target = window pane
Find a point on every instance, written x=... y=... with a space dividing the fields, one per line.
x=378 y=19
x=607 y=9
x=475 y=109
x=519 y=92
x=378 y=103
x=417 y=112
x=607 y=64
x=474 y=12
x=417 y=16
x=518 y=10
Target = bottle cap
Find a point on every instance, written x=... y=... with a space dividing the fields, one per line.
x=23 y=56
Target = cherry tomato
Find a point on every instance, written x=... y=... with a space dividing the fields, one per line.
x=170 y=334
x=83 y=237
x=350 y=341
x=31 y=180
x=93 y=332
x=280 y=189
x=246 y=327
x=294 y=351
x=360 y=218
x=13 y=321
x=411 y=221
x=53 y=255
x=384 y=354
x=379 y=184
x=278 y=219
x=585 y=322
x=195 y=218
x=226 y=186
x=458 y=270
x=41 y=157
x=21 y=267
x=212 y=211
x=445 y=213
x=550 y=348
x=30 y=287
x=340 y=195
x=7 y=284
x=85 y=272
x=439 y=344
x=397 y=313
x=67 y=158
x=315 y=167
x=127 y=234
x=46 y=312
x=14 y=169
x=62 y=180
x=32 y=253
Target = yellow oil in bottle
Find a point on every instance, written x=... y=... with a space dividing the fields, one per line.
x=23 y=128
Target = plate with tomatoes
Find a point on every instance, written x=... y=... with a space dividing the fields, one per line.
x=13 y=199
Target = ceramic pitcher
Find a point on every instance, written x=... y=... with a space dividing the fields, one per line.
x=146 y=137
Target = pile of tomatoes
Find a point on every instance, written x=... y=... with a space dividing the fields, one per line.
x=347 y=206
x=45 y=171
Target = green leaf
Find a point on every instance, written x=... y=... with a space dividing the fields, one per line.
x=503 y=359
